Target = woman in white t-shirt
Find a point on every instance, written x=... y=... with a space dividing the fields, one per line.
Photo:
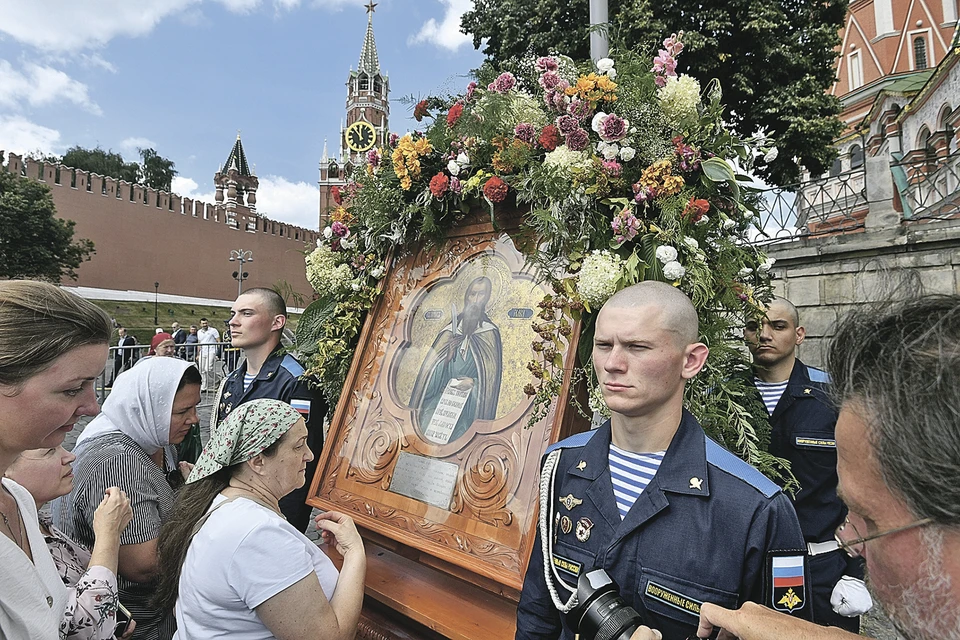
x=230 y=561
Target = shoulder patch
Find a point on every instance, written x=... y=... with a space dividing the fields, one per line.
x=726 y=461
x=818 y=375
x=576 y=440
x=292 y=366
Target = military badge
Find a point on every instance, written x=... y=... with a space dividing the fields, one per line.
x=787 y=583
x=584 y=525
x=570 y=502
x=566 y=524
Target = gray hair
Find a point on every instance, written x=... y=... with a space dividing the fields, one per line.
x=900 y=363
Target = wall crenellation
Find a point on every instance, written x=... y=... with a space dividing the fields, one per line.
x=105 y=186
x=146 y=236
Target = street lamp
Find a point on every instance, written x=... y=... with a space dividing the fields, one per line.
x=243 y=256
x=156 y=293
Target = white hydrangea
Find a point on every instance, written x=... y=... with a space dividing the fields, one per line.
x=627 y=154
x=692 y=243
x=564 y=158
x=598 y=277
x=666 y=253
x=673 y=270
x=679 y=98
x=323 y=272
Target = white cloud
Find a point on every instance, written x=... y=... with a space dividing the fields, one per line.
x=72 y=26
x=292 y=202
x=240 y=6
x=132 y=144
x=40 y=85
x=187 y=188
x=277 y=198
x=445 y=34
x=19 y=135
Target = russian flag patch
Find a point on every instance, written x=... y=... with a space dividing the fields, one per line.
x=302 y=406
x=787 y=583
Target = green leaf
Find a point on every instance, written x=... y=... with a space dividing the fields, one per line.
x=648 y=251
x=310 y=326
x=717 y=170
x=585 y=347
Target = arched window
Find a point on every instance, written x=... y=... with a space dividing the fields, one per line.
x=919 y=52
x=377 y=85
x=364 y=83
x=948 y=132
x=856 y=156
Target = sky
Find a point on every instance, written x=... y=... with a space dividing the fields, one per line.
x=184 y=76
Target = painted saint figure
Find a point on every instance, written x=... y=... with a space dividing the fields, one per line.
x=459 y=380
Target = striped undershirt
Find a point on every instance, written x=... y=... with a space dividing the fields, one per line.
x=770 y=392
x=248 y=379
x=631 y=473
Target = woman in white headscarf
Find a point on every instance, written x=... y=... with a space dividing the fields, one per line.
x=151 y=407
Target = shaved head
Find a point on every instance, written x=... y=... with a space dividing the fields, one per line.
x=787 y=307
x=677 y=314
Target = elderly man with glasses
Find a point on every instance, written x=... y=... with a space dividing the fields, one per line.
x=896 y=372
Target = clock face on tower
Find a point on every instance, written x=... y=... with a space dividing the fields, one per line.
x=361 y=136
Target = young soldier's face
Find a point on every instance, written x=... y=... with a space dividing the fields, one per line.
x=251 y=323
x=773 y=338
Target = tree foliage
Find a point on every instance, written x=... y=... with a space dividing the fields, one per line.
x=153 y=171
x=34 y=242
x=774 y=59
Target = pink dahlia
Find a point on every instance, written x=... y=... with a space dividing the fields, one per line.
x=566 y=124
x=525 y=132
x=547 y=63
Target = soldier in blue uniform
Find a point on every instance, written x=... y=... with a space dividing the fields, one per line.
x=803 y=421
x=256 y=323
x=672 y=517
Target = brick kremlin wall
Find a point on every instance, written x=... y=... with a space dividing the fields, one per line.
x=144 y=236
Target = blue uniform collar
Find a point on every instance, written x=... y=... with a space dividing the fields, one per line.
x=684 y=466
x=267 y=372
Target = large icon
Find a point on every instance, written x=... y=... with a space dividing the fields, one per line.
x=361 y=136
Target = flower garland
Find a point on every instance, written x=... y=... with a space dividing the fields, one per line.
x=625 y=172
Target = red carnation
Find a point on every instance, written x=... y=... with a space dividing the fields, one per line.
x=337 y=197
x=550 y=137
x=439 y=185
x=454 y=114
x=696 y=209
x=420 y=110
x=495 y=189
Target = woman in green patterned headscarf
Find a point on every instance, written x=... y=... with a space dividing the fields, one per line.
x=229 y=560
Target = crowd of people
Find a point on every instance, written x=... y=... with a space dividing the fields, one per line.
x=126 y=536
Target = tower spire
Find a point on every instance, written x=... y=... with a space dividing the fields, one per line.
x=369 y=61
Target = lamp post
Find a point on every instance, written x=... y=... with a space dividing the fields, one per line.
x=599 y=38
x=243 y=256
x=156 y=293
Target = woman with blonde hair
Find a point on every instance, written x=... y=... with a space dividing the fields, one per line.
x=231 y=562
x=53 y=349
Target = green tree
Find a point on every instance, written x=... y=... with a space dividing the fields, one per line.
x=34 y=243
x=155 y=170
x=106 y=163
x=774 y=60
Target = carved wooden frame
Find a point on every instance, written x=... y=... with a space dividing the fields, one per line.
x=490 y=526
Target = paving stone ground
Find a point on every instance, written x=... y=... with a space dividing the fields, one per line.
x=875 y=625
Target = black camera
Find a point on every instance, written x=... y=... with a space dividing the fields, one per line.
x=601 y=614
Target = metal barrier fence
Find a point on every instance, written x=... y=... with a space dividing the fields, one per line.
x=215 y=360
x=929 y=186
x=825 y=206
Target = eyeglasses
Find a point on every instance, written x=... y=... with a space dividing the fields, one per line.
x=855 y=547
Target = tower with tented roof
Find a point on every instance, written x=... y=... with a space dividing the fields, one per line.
x=236 y=183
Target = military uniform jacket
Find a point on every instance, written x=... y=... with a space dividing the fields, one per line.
x=278 y=379
x=802 y=431
x=708 y=528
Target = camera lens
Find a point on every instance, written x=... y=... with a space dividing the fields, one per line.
x=601 y=614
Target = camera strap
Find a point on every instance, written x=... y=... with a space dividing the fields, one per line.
x=547 y=479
